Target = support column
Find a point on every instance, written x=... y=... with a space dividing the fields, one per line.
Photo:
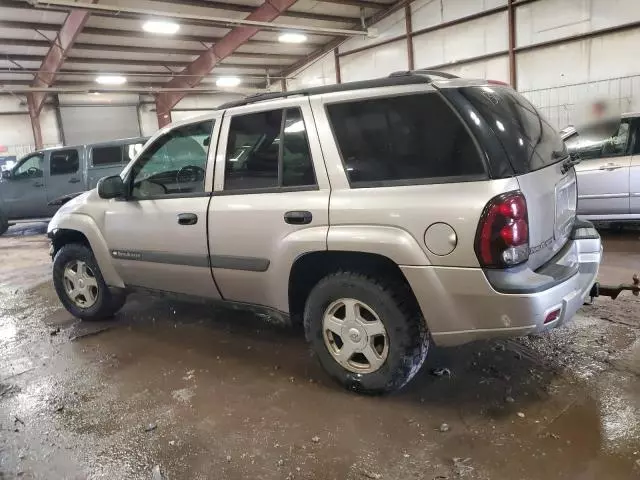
x=34 y=115
x=513 y=73
x=336 y=57
x=409 y=29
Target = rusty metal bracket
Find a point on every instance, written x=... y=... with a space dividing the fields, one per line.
x=613 y=291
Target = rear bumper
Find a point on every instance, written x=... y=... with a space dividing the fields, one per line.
x=461 y=305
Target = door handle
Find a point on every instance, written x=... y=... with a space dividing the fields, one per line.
x=187 y=218
x=74 y=180
x=298 y=217
x=610 y=167
x=38 y=184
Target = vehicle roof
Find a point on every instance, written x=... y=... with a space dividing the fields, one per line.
x=412 y=77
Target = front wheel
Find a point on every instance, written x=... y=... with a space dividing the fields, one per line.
x=368 y=333
x=80 y=286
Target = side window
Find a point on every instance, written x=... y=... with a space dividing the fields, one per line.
x=111 y=155
x=614 y=146
x=174 y=164
x=415 y=138
x=268 y=150
x=31 y=167
x=64 y=162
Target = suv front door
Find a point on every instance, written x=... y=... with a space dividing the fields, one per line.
x=603 y=174
x=25 y=193
x=270 y=203
x=158 y=235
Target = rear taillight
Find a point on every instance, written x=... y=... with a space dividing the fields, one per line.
x=502 y=239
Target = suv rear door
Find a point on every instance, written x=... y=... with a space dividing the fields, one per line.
x=270 y=202
x=603 y=173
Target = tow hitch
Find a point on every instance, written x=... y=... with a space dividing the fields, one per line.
x=613 y=291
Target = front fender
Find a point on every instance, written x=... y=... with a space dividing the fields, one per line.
x=85 y=225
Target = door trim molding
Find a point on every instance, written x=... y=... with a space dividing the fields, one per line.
x=603 y=195
x=227 y=262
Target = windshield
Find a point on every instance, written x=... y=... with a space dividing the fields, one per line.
x=529 y=140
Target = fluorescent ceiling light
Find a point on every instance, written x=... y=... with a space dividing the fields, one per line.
x=111 y=79
x=228 y=82
x=161 y=26
x=291 y=37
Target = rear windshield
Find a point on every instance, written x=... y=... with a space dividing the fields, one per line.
x=529 y=140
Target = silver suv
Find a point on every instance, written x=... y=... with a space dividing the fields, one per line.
x=608 y=172
x=382 y=214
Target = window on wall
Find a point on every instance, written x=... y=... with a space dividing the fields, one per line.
x=65 y=162
x=415 y=138
x=174 y=164
x=613 y=146
x=268 y=150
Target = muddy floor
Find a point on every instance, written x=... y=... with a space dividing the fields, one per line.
x=181 y=391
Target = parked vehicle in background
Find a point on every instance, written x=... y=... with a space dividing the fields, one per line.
x=39 y=182
x=608 y=172
x=382 y=214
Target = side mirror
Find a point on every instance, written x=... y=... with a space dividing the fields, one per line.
x=111 y=187
x=6 y=174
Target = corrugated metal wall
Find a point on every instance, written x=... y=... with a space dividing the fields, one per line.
x=557 y=78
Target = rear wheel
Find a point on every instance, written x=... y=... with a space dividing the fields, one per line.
x=368 y=333
x=80 y=286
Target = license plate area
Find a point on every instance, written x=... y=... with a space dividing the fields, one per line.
x=566 y=204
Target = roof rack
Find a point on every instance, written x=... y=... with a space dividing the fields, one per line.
x=410 y=77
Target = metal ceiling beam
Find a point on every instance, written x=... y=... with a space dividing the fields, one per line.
x=107 y=47
x=116 y=32
x=234 y=7
x=267 y=12
x=358 y=3
x=57 y=53
x=118 y=61
x=210 y=19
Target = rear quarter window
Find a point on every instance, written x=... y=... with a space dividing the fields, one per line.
x=410 y=139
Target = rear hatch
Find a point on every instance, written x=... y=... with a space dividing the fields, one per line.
x=536 y=153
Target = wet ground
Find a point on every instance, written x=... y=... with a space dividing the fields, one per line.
x=195 y=391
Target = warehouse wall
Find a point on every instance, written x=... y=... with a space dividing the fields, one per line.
x=557 y=78
x=15 y=126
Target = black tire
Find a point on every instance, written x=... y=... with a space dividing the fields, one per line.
x=4 y=223
x=395 y=305
x=108 y=301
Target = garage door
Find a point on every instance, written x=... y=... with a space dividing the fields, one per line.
x=89 y=124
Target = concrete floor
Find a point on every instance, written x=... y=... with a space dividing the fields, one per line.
x=203 y=392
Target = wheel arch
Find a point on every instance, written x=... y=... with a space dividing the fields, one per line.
x=82 y=229
x=308 y=269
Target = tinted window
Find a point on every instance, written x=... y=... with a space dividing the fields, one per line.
x=413 y=137
x=30 y=167
x=611 y=147
x=259 y=143
x=529 y=140
x=65 y=162
x=174 y=164
x=106 y=155
x=297 y=166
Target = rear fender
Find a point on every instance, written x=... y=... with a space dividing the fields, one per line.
x=394 y=243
